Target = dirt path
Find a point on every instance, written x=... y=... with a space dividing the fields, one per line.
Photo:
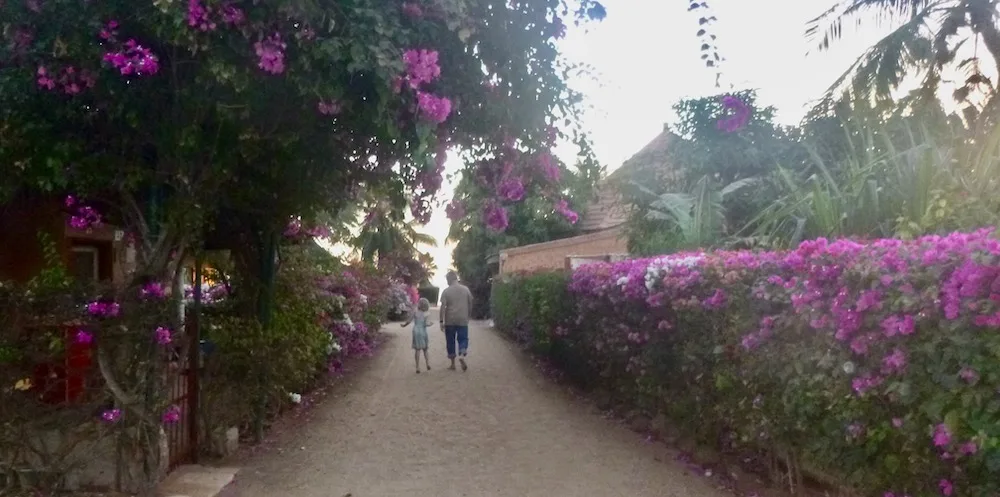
x=498 y=430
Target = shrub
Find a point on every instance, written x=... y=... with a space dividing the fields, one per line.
x=874 y=362
x=431 y=293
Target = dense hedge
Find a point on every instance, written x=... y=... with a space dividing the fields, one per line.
x=874 y=362
x=431 y=293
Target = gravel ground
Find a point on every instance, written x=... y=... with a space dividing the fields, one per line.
x=500 y=429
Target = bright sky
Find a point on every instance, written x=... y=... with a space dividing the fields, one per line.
x=646 y=55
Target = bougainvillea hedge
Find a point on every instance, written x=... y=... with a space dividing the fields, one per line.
x=877 y=362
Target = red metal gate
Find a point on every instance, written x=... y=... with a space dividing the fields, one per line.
x=182 y=436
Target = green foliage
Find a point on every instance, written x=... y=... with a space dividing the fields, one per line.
x=926 y=41
x=290 y=354
x=431 y=293
x=535 y=311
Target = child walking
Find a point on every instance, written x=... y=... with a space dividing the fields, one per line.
x=420 y=324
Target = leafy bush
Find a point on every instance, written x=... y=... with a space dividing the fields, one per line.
x=431 y=293
x=875 y=362
x=311 y=332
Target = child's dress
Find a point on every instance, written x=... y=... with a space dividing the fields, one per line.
x=420 y=331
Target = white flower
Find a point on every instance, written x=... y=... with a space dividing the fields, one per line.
x=296 y=398
x=622 y=281
x=849 y=367
x=363 y=298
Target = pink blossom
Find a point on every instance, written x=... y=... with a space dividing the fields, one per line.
x=550 y=170
x=942 y=435
x=435 y=109
x=421 y=67
x=134 y=59
x=330 y=108
x=163 y=335
x=172 y=415
x=496 y=217
x=152 y=291
x=44 y=81
x=897 y=422
x=412 y=9
x=102 y=309
x=946 y=487
x=271 y=52
x=894 y=362
x=455 y=210
x=111 y=416
x=968 y=448
x=83 y=337
x=969 y=375
x=737 y=114
x=232 y=15
x=198 y=16
x=562 y=207
x=511 y=189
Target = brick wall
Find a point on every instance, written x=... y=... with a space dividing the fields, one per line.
x=552 y=255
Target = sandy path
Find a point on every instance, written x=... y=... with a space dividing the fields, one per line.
x=498 y=430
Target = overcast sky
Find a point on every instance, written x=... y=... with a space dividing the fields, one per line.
x=647 y=58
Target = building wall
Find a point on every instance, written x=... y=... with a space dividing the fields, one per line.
x=21 y=250
x=554 y=255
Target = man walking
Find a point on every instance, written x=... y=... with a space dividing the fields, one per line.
x=456 y=306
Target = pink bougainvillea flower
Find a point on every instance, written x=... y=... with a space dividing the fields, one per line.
x=942 y=435
x=496 y=217
x=198 y=16
x=968 y=448
x=172 y=415
x=946 y=487
x=897 y=422
x=232 y=14
x=737 y=114
x=163 y=335
x=455 y=209
x=83 y=337
x=421 y=67
x=133 y=59
x=894 y=362
x=969 y=375
x=562 y=207
x=550 y=170
x=103 y=309
x=271 y=54
x=329 y=108
x=152 y=291
x=511 y=189
x=412 y=9
x=435 y=109
x=111 y=415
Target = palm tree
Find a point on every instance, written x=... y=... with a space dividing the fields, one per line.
x=926 y=40
x=386 y=233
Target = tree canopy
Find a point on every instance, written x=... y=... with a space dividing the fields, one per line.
x=261 y=111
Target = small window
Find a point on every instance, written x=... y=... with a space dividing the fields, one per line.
x=86 y=264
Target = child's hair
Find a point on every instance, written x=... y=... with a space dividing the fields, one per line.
x=424 y=305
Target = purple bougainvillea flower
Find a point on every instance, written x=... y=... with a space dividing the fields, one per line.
x=737 y=114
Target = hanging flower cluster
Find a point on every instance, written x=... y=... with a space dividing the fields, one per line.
x=82 y=216
x=737 y=114
x=271 y=54
x=69 y=79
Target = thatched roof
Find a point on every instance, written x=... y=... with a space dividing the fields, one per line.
x=608 y=209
